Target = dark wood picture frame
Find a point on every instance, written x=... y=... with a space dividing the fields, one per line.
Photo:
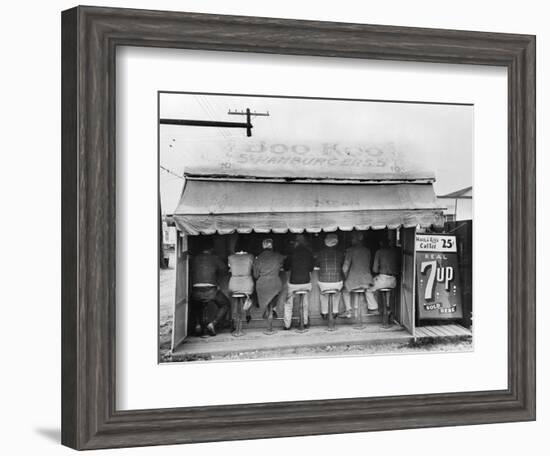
x=90 y=36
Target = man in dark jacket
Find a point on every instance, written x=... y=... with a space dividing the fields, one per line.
x=206 y=269
x=300 y=263
x=387 y=266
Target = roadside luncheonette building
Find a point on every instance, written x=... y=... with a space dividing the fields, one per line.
x=254 y=188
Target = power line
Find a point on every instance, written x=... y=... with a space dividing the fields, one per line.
x=203 y=101
x=216 y=123
x=248 y=115
x=217 y=104
x=171 y=172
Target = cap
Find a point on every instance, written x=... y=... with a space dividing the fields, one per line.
x=331 y=240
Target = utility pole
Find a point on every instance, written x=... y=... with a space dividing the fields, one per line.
x=216 y=123
x=248 y=114
x=202 y=123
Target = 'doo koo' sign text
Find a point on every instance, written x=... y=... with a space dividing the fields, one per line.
x=437 y=277
x=301 y=159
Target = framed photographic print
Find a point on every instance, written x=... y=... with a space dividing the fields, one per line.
x=274 y=232
x=280 y=228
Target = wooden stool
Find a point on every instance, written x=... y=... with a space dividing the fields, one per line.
x=239 y=297
x=301 y=294
x=386 y=295
x=331 y=323
x=357 y=310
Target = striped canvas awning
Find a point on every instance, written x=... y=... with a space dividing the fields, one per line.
x=223 y=206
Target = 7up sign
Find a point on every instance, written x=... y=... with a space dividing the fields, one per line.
x=437 y=281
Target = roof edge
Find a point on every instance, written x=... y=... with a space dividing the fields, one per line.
x=385 y=179
x=458 y=193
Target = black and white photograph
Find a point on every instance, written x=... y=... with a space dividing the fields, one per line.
x=294 y=227
x=270 y=228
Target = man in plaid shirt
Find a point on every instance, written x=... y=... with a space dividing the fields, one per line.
x=330 y=260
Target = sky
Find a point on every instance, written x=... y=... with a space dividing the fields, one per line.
x=362 y=138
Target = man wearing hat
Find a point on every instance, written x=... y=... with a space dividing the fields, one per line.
x=330 y=260
x=357 y=272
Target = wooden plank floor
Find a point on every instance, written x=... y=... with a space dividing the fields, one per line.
x=314 y=320
x=255 y=339
x=450 y=330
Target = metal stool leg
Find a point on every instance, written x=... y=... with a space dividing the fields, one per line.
x=302 y=313
x=204 y=320
x=330 y=314
x=391 y=306
x=269 y=330
x=302 y=327
x=386 y=309
x=239 y=323
x=358 y=311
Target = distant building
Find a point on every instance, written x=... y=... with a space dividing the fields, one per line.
x=168 y=232
x=458 y=205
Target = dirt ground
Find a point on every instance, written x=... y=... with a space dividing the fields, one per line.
x=167 y=295
x=333 y=350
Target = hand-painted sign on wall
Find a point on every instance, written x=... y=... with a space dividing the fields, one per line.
x=316 y=155
x=301 y=159
x=437 y=277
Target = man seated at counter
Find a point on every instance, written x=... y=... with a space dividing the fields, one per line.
x=265 y=269
x=387 y=264
x=330 y=260
x=357 y=273
x=206 y=270
x=300 y=263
